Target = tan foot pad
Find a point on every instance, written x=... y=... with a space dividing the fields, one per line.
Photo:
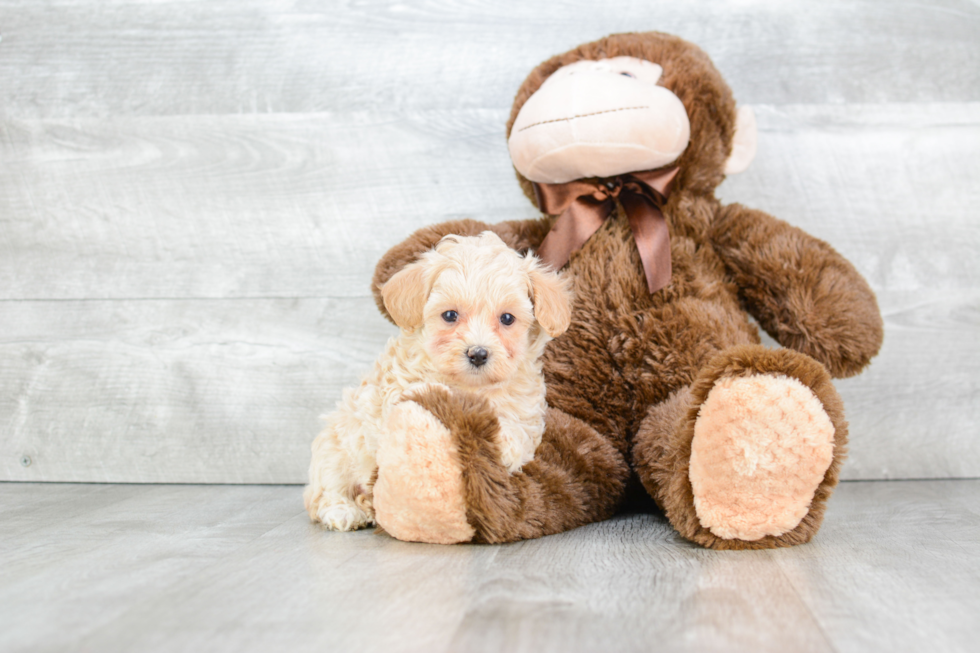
x=761 y=447
x=418 y=496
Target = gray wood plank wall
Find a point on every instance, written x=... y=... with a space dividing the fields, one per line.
x=193 y=197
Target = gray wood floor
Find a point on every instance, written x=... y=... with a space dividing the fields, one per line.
x=108 y=568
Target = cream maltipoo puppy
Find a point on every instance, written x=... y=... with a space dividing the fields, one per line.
x=474 y=316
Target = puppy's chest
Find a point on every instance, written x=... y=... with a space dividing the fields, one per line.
x=521 y=403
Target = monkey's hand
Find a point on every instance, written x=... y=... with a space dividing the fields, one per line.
x=803 y=293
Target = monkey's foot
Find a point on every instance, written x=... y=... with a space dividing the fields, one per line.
x=418 y=496
x=762 y=446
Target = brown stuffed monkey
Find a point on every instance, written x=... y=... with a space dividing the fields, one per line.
x=621 y=143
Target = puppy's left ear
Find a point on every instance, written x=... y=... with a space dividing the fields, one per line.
x=552 y=300
x=405 y=294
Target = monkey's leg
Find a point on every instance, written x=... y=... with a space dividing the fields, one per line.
x=747 y=456
x=440 y=478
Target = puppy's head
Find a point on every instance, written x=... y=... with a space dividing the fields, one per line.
x=483 y=308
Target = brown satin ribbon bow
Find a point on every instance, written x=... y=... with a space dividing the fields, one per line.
x=582 y=206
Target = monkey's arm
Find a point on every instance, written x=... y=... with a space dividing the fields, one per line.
x=803 y=293
x=519 y=234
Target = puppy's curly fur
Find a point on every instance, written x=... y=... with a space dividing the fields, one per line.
x=475 y=316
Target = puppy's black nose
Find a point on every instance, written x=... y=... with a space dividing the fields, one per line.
x=477 y=355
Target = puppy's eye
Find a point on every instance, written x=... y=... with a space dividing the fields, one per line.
x=625 y=74
x=507 y=319
x=450 y=316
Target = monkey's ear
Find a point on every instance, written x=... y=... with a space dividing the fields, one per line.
x=551 y=298
x=744 y=142
x=405 y=295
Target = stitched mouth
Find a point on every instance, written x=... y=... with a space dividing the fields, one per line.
x=582 y=115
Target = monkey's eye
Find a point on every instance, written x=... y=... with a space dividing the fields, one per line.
x=450 y=316
x=625 y=74
x=507 y=319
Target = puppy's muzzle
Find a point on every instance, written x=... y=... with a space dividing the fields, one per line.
x=478 y=356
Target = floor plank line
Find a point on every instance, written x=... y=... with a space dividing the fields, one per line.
x=895 y=567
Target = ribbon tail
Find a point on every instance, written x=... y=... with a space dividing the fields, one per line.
x=572 y=228
x=652 y=237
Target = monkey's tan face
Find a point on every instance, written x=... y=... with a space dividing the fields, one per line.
x=598 y=119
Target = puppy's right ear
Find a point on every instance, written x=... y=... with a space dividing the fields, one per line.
x=551 y=297
x=405 y=294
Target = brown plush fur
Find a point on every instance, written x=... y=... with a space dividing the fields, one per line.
x=629 y=375
x=662 y=449
x=575 y=477
x=799 y=289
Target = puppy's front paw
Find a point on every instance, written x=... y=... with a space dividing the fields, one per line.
x=342 y=516
x=338 y=512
